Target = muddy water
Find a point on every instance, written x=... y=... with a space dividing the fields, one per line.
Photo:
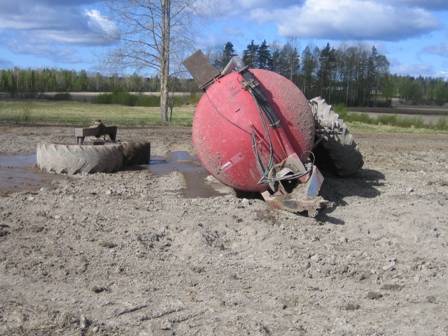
x=18 y=173
x=196 y=185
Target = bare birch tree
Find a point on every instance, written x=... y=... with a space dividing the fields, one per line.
x=153 y=32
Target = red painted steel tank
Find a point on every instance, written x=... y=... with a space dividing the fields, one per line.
x=227 y=123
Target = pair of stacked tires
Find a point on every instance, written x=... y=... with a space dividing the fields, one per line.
x=86 y=159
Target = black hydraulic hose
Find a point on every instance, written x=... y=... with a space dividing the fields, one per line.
x=254 y=87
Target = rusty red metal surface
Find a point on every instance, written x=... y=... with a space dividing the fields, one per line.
x=227 y=119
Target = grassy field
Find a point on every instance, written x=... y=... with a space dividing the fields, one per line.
x=82 y=114
x=391 y=123
x=78 y=113
x=356 y=126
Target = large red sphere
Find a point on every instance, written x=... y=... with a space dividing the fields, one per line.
x=227 y=119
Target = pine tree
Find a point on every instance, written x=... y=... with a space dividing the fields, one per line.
x=5 y=84
x=227 y=53
x=327 y=61
x=309 y=65
x=264 y=57
x=276 y=61
x=250 y=55
x=219 y=59
x=291 y=58
x=371 y=74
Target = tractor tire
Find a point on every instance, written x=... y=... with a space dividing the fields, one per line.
x=80 y=159
x=335 y=139
x=136 y=153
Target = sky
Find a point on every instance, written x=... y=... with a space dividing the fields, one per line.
x=78 y=34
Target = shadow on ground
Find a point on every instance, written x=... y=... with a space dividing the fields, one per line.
x=334 y=189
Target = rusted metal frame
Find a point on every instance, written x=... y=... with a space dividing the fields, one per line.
x=81 y=133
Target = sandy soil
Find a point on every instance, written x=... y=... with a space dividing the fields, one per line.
x=129 y=254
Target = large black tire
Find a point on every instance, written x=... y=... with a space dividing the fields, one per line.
x=80 y=159
x=335 y=139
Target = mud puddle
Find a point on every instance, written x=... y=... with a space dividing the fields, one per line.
x=19 y=173
x=197 y=182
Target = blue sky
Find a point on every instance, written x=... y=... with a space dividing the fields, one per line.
x=71 y=34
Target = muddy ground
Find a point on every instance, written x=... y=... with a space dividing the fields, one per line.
x=130 y=254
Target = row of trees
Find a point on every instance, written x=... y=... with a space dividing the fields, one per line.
x=353 y=75
x=31 y=81
x=419 y=90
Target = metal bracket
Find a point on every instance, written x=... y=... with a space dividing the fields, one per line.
x=97 y=129
x=303 y=198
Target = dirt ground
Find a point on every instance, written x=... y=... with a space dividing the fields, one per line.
x=129 y=254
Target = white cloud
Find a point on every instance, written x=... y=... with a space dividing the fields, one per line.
x=212 y=8
x=57 y=21
x=419 y=69
x=40 y=48
x=5 y=64
x=437 y=49
x=96 y=30
x=225 y=8
x=101 y=24
x=428 y=4
x=442 y=74
x=349 y=20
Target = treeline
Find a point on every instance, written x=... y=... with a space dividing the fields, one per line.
x=352 y=75
x=419 y=90
x=31 y=81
